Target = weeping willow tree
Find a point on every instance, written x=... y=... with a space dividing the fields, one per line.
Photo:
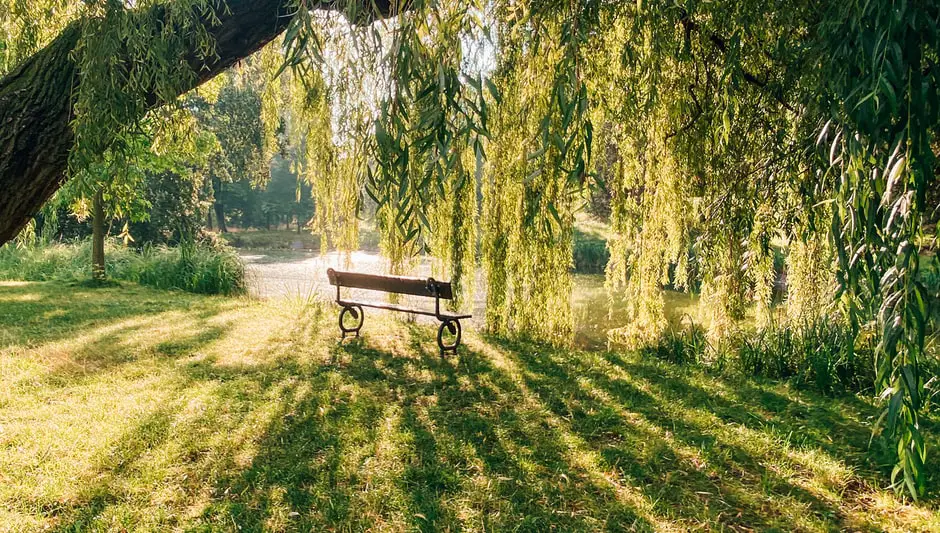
x=430 y=124
x=329 y=119
x=541 y=148
x=312 y=131
x=731 y=124
x=811 y=123
x=881 y=167
x=453 y=235
x=650 y=228
x=704 y=158
x=527 y=245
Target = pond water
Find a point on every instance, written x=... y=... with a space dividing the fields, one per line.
x=302 y=274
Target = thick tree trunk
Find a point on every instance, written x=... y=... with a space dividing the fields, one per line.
x=35 y=137
x=98 y=271
x=36 y=97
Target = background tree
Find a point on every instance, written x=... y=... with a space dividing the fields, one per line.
x=286 y=196
x=234 y=117
x=36 y=96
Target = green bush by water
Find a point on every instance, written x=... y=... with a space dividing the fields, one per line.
x=191 y=267
x=198 y=267
x=824 y=355
x=590 y=253
x=272 y=240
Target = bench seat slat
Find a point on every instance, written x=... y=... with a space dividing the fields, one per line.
x=393 y=284
x=391 y=307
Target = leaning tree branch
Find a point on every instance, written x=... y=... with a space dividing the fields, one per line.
x=692 y=120
x=36 y=99
x=720 y=43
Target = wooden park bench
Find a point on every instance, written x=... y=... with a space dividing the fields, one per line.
x=427 y=287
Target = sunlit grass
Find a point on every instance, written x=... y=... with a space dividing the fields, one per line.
x=126 y=408
x=197 y=267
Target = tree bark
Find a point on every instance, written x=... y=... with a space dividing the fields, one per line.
x=36 y=97
x=98 y=272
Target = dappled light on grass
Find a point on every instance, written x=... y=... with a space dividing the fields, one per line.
x=138 y=409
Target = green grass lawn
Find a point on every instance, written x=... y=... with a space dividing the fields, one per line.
x=127 y=408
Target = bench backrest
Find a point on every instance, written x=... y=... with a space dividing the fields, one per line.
x=428 y=287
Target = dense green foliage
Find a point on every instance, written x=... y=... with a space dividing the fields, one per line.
x=825 y=356
x=590 y=253
x=191 y=267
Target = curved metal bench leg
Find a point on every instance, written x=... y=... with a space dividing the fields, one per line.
x=357 y=314
x=452 y=326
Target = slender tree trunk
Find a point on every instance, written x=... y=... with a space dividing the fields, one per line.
x=36 y=97
x=248 y=215
x=298 y=223
x=209 y=219
x=217 y=191
x=220 y=217
x=98 y=272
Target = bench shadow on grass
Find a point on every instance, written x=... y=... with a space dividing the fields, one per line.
x=463 y=442
x=541 y=445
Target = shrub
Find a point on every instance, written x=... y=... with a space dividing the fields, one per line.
x=688 y=345
x=200 y=267
x=45 y=262
x=590 y=253
x=823 y=355
x=190 y=267
x=272 y=240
